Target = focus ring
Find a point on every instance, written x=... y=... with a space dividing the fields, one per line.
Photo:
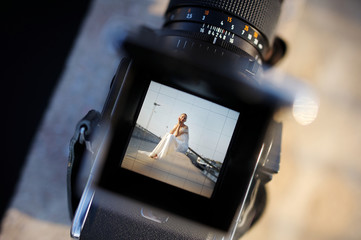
x=262 y=14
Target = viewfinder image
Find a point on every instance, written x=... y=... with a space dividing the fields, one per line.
x=180 y=139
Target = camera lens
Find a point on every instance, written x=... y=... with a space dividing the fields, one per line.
x=235 y=25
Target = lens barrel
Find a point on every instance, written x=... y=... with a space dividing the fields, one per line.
x=231 y=22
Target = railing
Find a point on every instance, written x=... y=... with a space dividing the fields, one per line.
x=209 y=169
x=204 y=160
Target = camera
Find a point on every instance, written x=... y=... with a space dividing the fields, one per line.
x=186 y=139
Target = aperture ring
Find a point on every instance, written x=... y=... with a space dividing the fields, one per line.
x=238 y=46
x=262 y=14
x=221 y=26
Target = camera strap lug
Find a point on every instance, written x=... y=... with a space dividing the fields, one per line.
x=82 y=140
x=78 y=144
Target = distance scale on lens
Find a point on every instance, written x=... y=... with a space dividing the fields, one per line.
x=218 y=25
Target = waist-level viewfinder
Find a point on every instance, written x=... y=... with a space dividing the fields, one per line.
x=186 y=139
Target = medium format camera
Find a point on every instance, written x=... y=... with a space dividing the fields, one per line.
x=186 y=139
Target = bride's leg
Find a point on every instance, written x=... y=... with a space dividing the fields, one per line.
x=170 y=145
x=159 y=147
x=167 y=144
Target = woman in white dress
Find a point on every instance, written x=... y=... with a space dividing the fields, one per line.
x=174 y=141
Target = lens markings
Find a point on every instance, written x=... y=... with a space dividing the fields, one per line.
x=220 y=26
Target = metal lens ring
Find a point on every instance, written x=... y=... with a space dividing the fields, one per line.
x=219 y=26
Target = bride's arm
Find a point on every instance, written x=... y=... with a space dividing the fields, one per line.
x=178 y=132
x=175 y=129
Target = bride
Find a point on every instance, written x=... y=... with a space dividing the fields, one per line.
x=174 y=141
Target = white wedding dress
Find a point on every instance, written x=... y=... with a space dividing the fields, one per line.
x=170 y=144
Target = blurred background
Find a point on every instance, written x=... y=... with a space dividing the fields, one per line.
x=60 y=61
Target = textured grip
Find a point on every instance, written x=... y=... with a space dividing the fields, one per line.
x=261 y=14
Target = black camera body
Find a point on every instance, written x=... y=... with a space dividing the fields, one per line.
x=205 y=64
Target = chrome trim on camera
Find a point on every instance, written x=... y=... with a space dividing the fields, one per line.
x=87 y=197
x=239 y=220
x=82 y=212
x=153 y=216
